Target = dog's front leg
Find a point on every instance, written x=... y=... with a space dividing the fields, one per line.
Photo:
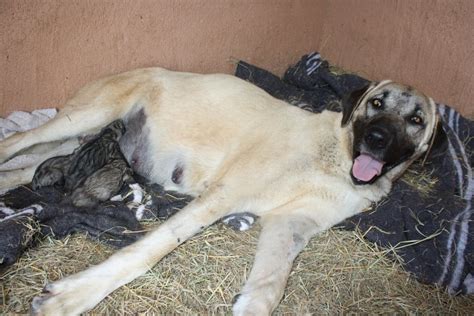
x=82 y=291
x=281 y=240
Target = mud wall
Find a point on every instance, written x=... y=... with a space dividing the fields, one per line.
x=48 y=49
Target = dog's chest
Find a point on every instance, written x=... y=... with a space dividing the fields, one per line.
x=297 y=168
x=311 y=170
x=326 y=198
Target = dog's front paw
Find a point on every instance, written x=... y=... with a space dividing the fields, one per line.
x=246 y=305
x=70 y=296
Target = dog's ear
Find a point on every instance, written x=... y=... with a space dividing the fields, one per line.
x=439 y=140
x=350 y=103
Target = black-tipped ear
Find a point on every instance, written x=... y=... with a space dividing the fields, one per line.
x=349 y=104
x=438 y=143
x=439 y=140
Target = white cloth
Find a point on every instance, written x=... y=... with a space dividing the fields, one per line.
x=23 y=121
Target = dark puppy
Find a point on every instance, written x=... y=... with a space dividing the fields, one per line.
x=51 y=172
x=94 y=154
x=92 y=173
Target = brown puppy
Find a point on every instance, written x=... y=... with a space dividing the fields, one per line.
x=236 y=148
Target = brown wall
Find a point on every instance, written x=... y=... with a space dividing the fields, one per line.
x=49 y=49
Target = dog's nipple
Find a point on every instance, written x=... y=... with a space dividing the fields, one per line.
x=177 y=175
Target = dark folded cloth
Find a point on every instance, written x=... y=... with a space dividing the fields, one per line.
x=430 y=229
x=26 y=215
x=15 y=236
x=112 y=222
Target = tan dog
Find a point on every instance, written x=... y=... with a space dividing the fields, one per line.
x=236 y=148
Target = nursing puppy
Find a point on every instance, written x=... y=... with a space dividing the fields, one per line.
x=237 y=149
x=70 y=171
x=92 y=173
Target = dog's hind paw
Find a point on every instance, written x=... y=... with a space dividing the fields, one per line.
x=6 y=148
x=3 y=154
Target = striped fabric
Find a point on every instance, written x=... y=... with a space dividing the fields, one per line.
x=454 y=273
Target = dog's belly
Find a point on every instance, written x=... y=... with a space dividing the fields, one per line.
x=180 y=138
x=135 y=144
x=160 y=160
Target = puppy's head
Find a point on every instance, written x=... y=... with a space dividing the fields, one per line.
x=391 y=125
x=114 y=130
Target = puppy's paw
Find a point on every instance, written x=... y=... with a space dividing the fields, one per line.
x=240 y=221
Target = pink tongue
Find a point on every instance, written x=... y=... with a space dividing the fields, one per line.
x=366 y=167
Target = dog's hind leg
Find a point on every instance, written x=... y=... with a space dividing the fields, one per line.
x=12 y=178
x=15 y=178
x=281 y=240
x=84 y=290
x=69 y=122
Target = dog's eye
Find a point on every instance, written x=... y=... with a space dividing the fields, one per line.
x=415 y=119
x=377 y=103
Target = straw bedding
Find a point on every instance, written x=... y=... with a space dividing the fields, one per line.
x=339 y=272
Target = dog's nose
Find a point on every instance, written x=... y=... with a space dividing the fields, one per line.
x=377 y=138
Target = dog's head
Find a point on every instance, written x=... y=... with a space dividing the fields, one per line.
x=392 y=125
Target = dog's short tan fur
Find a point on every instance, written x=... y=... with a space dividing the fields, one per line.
x=241 y=150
